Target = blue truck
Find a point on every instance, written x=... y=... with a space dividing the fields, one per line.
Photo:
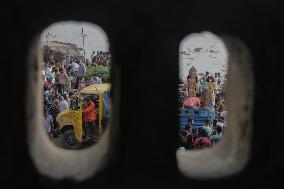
x=199 y=115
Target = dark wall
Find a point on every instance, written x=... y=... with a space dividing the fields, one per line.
x=144 y=38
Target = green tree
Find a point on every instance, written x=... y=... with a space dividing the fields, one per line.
x=101 y=71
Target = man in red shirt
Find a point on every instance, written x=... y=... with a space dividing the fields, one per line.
x=89 y=116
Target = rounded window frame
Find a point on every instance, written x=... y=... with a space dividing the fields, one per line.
x=51 y=160
x=232 y=153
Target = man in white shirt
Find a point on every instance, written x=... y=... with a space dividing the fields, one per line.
x=63 y=104
x=223 y=113
x=217 y=79
x=47 y=122
x=48 y=71
x=75 y=66
x=81 y=70
x=96 y=80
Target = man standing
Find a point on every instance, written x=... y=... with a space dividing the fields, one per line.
x=89 y=117
x=93 y=57
x=207 y=128
x=48 y=122
x=63 y=105
x=81 y=70
x=48 y=72
x=73 y=66
x=206 y=75
x=63 y=81
x=217 y=79
x=215 y=138
x=80 y=73
x=54 y=111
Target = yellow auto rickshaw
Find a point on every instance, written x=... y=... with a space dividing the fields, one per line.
x=70 y=122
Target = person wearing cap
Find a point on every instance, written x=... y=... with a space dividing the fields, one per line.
x=89 y=117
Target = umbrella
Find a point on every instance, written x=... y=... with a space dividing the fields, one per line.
x=191 y=101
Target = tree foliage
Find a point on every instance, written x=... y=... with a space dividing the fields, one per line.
x=101 y=71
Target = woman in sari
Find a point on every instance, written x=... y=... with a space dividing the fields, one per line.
x=209 y=102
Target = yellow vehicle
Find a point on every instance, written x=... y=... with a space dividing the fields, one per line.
x=70 y=121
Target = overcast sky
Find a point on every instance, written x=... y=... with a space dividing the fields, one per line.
x=205 y=51
x=70 y=32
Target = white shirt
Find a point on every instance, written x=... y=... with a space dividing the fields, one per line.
x=216 y=80
x=96 y=80
x=75 y=66
x=63 y=105
x=223 y=114
x=46 y=123
x=220 y=124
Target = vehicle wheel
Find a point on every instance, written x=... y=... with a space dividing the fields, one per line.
x=69 y=140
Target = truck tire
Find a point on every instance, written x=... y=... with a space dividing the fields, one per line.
x=69 y=140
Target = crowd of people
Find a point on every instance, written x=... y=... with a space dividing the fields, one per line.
x=101 y=58
x=60 y=82
x=207 y=92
